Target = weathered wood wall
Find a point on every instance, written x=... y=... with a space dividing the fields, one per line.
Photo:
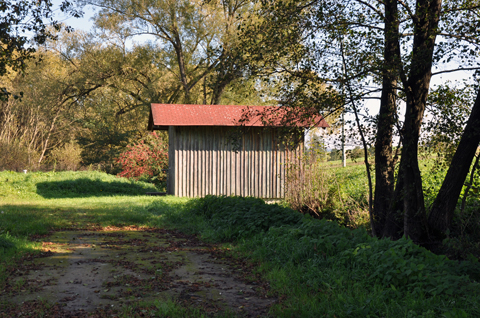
x=202 y=161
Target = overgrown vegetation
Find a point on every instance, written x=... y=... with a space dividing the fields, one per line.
x=17 y=157
x=67 y=158
x=338 y=194
x=322 y=268
x=327 y=191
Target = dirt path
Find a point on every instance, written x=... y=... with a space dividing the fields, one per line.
x=106 y=273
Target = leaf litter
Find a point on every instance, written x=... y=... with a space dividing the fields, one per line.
x=100 y=273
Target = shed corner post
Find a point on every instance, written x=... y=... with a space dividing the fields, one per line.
x=171 y=184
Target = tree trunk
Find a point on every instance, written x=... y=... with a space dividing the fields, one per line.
x=414 y=225
x=443 y=207
x=384 y=166
x=181 y=63
x=417 y=86
x=394 y=222
x=218 y=90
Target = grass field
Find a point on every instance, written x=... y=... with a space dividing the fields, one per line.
x=315 y=267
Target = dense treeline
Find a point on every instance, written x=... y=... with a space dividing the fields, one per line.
x=92 y=91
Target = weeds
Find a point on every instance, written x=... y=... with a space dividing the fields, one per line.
x=66 y=158
x=233 y=218
x=16 y=156
x=321 y=268
x=316 y=189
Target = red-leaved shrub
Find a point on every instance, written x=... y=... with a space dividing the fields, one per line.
x=146 y=160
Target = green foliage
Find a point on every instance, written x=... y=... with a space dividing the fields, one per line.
x=234 y=218
x=25 y=24
x=432 y=178
x=402 y=265
x=316 y=147
x=355 y=153
x=335 y=154
x=101 y=144
x=449 y=106
x=6 y=243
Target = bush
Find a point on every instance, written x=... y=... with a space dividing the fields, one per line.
x=233 y=218
x=308 y=188
x=146 y=160
x=67 y=157
x=399 y=265
x=17 y=157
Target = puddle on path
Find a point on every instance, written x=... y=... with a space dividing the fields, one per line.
x=85 y=271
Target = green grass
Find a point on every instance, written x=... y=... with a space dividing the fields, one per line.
x=350 y=207
x=323 y=270
x=36 y=203
x=39 y=202
x=316 y=267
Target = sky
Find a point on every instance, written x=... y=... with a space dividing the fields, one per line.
x=85 y=23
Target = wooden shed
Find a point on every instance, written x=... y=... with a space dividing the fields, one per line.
x=203 y=159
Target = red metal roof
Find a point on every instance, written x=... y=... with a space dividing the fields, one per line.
x=164 y=115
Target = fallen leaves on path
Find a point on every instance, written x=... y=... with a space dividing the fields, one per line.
x=108 y=271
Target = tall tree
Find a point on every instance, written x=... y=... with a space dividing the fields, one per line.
x=389 y=47
x=443 y=208
x=23 y=25
x=43 y=118
x=200 y=37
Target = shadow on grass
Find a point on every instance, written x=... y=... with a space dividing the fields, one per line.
x=25 y=220
x=85 y=187
x=28 y=220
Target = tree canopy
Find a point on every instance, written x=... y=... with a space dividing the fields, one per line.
x=25 y=24
x=389 y=48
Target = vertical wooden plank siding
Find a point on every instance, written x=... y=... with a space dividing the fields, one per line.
x=176 y=183
x=228 y=168
x=171 y=161
x=203 y=166
x=254 y=179
x=214 y=165
x=202 y=161
x=238 y=174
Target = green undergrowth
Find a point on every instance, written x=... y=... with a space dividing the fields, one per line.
x=320 y=269
x=315 y=267
x=347 y=203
